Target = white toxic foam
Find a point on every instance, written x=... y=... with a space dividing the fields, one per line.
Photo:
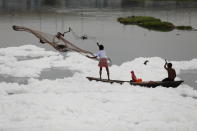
x=74 y=103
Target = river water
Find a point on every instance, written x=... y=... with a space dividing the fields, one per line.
x=99 y=22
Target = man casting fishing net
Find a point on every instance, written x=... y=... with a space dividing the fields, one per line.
x=103 y=60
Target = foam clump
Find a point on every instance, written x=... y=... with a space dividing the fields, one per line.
x=74 y=103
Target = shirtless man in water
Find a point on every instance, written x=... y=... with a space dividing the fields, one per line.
x=171 y=72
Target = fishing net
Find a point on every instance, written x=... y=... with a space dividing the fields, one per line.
x=82 y=37
x=56 y=41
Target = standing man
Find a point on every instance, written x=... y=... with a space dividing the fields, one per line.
x=101 y=55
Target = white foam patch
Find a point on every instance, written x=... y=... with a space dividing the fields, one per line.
x=47 y=59
x=74 y=103
x=26 y=50
x=186 y=65
x=10 y=65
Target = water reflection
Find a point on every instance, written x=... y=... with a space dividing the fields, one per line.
x=56 y=73
x=20 y=4
x=12 y=79
x=190 y=77
x=8 y=5
x=50 y=74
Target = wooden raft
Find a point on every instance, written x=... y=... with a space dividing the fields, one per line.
x=148 y=84
x=106 y=80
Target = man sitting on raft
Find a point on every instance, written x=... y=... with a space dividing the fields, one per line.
x=171 y=72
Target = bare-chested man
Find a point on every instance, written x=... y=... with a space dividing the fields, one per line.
x=171 y=72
